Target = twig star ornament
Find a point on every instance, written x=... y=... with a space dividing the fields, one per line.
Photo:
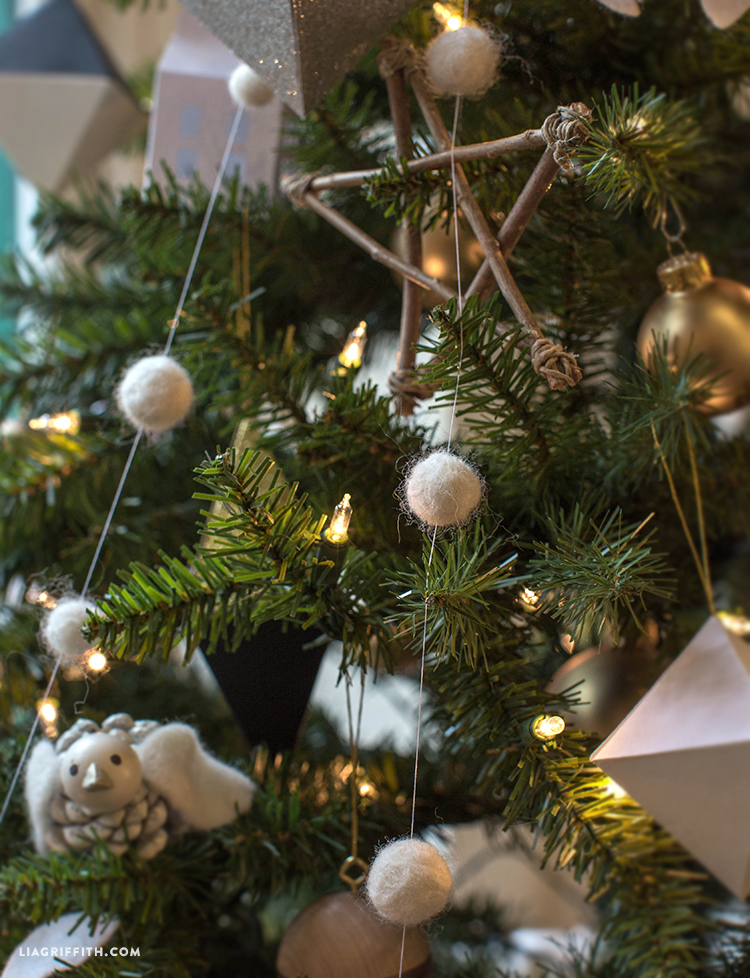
x=400 y=63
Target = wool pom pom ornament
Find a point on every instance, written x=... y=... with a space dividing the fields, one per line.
x=442 y=489
x=155 y=394
x=248 y=89
x=409 y=882
x=463 y=62
x=61 y=629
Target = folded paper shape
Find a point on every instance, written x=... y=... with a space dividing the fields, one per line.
x=63 y=105
x=67 y=939
x=300 y=48
x=684 y=750
x=193 y=112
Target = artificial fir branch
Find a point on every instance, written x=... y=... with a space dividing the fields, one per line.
x=640 y=150
x=585 y=582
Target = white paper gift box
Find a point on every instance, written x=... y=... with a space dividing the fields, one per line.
x=683 y=753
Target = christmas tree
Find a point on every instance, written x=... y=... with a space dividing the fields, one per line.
x=610 y=513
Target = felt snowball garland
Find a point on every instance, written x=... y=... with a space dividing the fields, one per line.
x=247 y=89
x=442 y=489
x=61 y=629
x=155 y=394
x=463 y=62
x=409 y=882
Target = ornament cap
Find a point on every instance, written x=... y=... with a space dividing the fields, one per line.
x=683 y=272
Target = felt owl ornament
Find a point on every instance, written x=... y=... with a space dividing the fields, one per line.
x=130 y=785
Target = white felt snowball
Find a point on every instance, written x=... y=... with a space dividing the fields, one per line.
x=155 y=394
x=409 y=882
x=247 y=89
x=463 y=62
x=442 y=489
x=61 y=629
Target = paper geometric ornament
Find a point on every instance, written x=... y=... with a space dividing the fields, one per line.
x=721 y=13
x=683 y=753
x=300 y=48
x=66 y=939
x=63 y=105
x=193 y=112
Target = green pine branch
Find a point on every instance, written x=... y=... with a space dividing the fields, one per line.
x=643 y=149
x=593 y=571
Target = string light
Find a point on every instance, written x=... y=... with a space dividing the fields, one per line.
x=47 y=710
x=547 y=728
x=97 y=662
x=351 y=355
x=613 y=788
x=737 y=624
x=43 y=597
x=528 y=599
x=342 y=515
x=447 y=17
x=68 y=424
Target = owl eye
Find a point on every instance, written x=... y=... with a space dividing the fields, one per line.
x=73 y=770
x=116 y=759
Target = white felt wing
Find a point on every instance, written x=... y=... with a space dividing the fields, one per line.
x=42 y=783
x=631 y=8
x=723 y=13
x=202 y=791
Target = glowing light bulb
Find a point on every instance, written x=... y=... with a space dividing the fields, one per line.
x=97 y=661
x=43 y=598
x=351 y=355
x=737 y=624
x=447 y=17
x=336 y=531
x=613 y=788
x=47 y=711
x=528 y=598
x=546 y=728
x=68 y=423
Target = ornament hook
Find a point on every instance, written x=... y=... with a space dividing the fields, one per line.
x=672 y=239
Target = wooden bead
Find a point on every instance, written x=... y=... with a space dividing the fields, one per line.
x=340 y=936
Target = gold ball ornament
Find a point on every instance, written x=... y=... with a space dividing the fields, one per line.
x=610 y=680
x=439 y=257
x=340 y=936
x=702 y=314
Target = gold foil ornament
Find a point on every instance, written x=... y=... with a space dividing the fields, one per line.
x=439 y=257
x=702 y=314
x=300 y=48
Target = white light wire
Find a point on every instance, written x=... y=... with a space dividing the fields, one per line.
x=136 y=440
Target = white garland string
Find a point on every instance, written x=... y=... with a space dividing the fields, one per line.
x=450 y=438
x=136 y=441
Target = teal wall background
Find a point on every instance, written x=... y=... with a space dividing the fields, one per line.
x=7 y=189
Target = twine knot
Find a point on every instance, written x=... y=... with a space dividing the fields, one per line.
x=565 y=129
x=295 y=186
x=397 y=55
x=551 y=362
